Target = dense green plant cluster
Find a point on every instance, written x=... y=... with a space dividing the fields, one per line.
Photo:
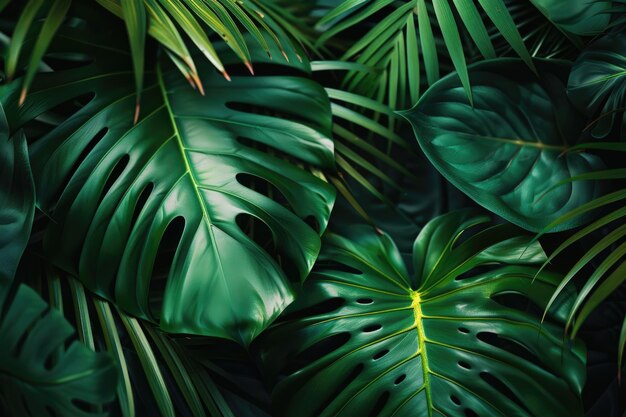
x=312 y=208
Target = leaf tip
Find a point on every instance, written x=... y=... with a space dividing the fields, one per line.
x=137 y=110
x=249 y=66
x=22 y=97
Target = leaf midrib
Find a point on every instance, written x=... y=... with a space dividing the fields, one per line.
x=195 y=186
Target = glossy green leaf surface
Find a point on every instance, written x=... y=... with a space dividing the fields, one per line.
x=578 y=17
x=41 y=376
x=114 y=188
x=365 y=338
x=17 y=199
x=597 y=83
x=507 y=150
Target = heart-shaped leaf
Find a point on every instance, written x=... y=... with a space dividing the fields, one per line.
x=182 y=175
x=457 y=339
x=508 y=150
x=597 y=83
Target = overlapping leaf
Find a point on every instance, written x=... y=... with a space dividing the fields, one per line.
x=17 y=197
x=395 y=43
x=366 y=338
x=115 y=188
x=597 y=83
x=41 y=376
x=508 y=150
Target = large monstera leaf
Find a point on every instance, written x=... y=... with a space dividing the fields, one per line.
x=507 y=151
x=597 y=84
x=41 y=375
x=113 y=189
x=365 y=338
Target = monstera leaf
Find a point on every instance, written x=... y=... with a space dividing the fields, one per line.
x=597 y=83
x=114 y=189
x=17 y=197
x=366 y=338
x=506 y=151
x=40 y=374
x=578 y=17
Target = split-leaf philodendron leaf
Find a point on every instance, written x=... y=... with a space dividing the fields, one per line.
x=113 y=187
x=597 y=83
x=452 y=339
x=41 y=375
x=509 y=150
x=17 y=199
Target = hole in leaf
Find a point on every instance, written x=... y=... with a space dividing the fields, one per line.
x=262 y=235
x=324 y=307
x=372 y=328
x=519 y=302
x=50 y=411
x=163 y=263
x=470 y=413
x=141 y=202
x=59 y=61
x=464 y=330
x=465 y=365
x=340 y=388
x=317 y=351
x=365 y=301
x=268 y=110
x=313 y=223
x=455 y=399
x=477 y=270
x=380 y=404
x=115 y=174
x=399 y=379
x=264 y=187
x=268 y=149
x=380 y=354
x=329 y=265
x=22 y=340
x=257 y=231
x=504 y=389
x=508 y=345
x=82 y=405
x=53 y=116
x=86 y=151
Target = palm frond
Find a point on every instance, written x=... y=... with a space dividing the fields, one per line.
x=364 y=134
x=409 y=29
x=606 y=258
x=165 y=365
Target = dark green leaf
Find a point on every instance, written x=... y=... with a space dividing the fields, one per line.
x=579 y=17
x=366 y=338
x=17 y=197
x=597 y=83
x=508 y=149
x=33 y=385
x=186 y=158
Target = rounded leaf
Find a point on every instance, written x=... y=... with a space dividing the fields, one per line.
x=509 y=150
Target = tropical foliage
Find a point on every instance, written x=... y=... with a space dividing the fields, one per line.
x=312 y=208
